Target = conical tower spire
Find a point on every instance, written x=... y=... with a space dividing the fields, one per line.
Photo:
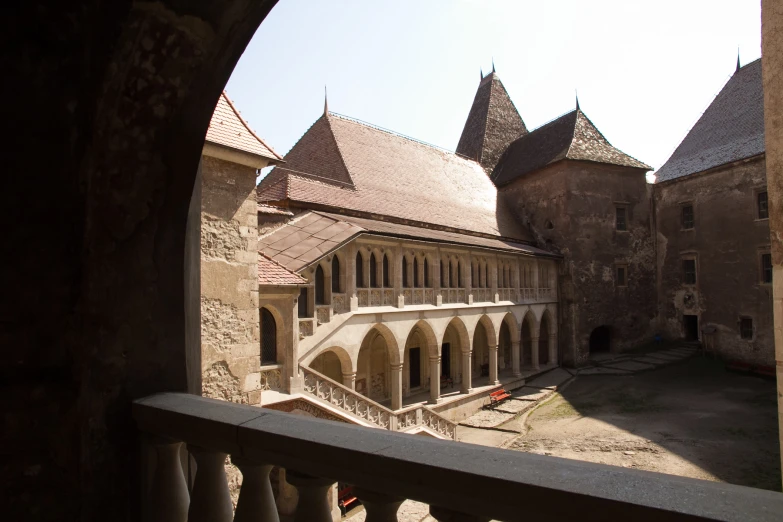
x=326 y=103
x=738 y=61
x=576 y=93
x=493 y=64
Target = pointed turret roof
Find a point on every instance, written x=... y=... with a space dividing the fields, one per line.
x=493 y=122
x=229 y=129
x=571 y=136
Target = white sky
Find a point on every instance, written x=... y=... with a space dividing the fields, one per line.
x=644 y=70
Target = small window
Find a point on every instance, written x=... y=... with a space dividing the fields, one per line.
x=405 y=281
x=444 y=280
x=335 y=275
x=687 y=217
x=689 y=271
x=319 y=286
x=373 y=271
x=766 y=267
x=427 y=282
x=386 y=271
x=416 y=278
x=302 y=303
x=620 y=219
x=746 y=328
x=268 y=338
x=359 y=270
x=762 y=205
x=622 y=275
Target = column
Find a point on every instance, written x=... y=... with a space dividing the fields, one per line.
x=553 y=348
x=350 y=278
x=515 y=359
x=349 y=380
x=534 y=352
x=396 y=386
x=434 y=380
x=493 y=364
x=467 y=372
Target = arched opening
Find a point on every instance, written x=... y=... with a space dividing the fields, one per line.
x=335 y=275
x=527 y=340
x=427 y=282
x=386 y=282
x=359 y=270
x=373 y=271
x=480 y=361
x=319 y=286
x=460 y=282
x=373 y=368
x=302 y=305
x=444 y=280
x=486 y=276
x=543 y=340
x=504 y=347
x=328 y=364
x=416 y=280
x=601 y=339
x=268 y=338
x=405 y=279
x=415 y=365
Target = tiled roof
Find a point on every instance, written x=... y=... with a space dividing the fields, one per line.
x=273 y=210
x=571 y=136
x=229 y=129
x=270 y=272
x=731 y=129
x=342 y=163
x=313 y=235
x=493 y=123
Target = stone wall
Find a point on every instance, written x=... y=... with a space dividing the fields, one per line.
x=726 y=241
x=230 y=336
x=570 y=207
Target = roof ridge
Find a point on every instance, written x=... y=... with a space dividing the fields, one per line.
x=573 y=132
x=224 y=94
x=595 y=127
x=337 y=144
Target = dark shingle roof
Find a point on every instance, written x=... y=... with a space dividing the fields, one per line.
x=571 y=136
x=731 y=129
x=493 y=122
x=229 y=129
x=343 y=163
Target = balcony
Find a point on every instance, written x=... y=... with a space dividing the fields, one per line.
x=459 y=481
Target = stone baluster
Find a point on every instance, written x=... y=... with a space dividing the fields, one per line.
x=534 y=352
x=493 y=365
x=434 y=380
x=313 y=505
x=515 y=359
x=256 y=499
x=442 y=514
x=211 y=501
x=168 y=495
x=467 y=372
x=380 y=507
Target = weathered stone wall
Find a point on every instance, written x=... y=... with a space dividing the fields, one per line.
x=230 y=336
x=570 y=207
x=726 y=239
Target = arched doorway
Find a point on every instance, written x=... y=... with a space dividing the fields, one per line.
x=415 y=366
x=480 y=362
x=543 y=340
x=527 y=340
x=373 y=368
x=601 y=339
x=328 y=364
x=504 y=346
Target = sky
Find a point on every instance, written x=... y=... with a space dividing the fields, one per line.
x=644 y=71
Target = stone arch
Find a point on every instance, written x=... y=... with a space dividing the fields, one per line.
x=528 y=331
x=321 y=363
x=415 y=366
x=508 y=334
x=337 y=267
x=378 y=352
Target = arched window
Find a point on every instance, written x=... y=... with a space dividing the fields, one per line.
x=319 y=286
x=460 y=283
x=405 y=281
x=302 y=303
x=427 y=283
x=373 y=272
x=386 y=282
x=268 y=338
x=507 y=276
x=335 y=275
x=500 y=276
x=486 y=276
x=416 y=280
x=359 y=270
x=444 y=278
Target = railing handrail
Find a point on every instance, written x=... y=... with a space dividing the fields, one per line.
x=478 y=480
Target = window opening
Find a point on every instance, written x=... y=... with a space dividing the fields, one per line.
x=373 y=271
x=687 y=217
x=621 y=276
x=766 y=268
x=762 y=204
x=359 y=270
x=335 y=275
x=620 y=221
x=746 y=328
x=319 y=285
x=268 y=338
x=689 y=271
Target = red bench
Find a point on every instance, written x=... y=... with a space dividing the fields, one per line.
x=345 y=498
x=496 y=397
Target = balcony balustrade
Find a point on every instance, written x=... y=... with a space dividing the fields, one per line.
x=458 y=481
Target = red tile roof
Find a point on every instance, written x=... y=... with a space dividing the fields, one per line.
x=229 y=129
x=273 y=210
x=270 y=272
x=343 y=163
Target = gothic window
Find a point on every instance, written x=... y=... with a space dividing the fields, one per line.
x=373 y=271
x=319 y=286
x=500 y=276
x=506 y=277
x=486 y=276
x=302 y=303
x=405 y=281
x=762 y=205
x=622 y=275
x=359 y=270
x=766 y=267
x=689 y=271
x=687 y=217
x=746 y=328
x=386 y=282
x=416 y=280
x=620 y=219
x=444 y=282
x=460 y=283
x=427 y=282
x=268 y=338
x=335 y=275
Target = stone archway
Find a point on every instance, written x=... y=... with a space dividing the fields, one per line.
x=335 y=363
x=528 y=333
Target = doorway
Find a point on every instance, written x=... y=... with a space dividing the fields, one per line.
x=601 y=339
x=690 y=324
x=415 y=367
x=445 y=360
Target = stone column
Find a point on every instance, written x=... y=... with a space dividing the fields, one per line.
x=515 y=356
x=493 y=364
x=553 y=348
x=349 y=380
x=467 y=372
x=534 y=352
x=434 y=380
x=350 y=278
x=396 y=386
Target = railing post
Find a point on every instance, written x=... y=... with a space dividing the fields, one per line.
x=211 y=501
x=380 y=507
x=256 y=499
x=168 y=495
x=515 y=359
x=442 y=514
x=313 y=505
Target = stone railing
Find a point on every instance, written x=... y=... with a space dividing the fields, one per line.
x=480 y=295
x=323 y=313
x=388 y=297
x=376 y=296
x=339 y=303
x=353 y=402
x=363 y=294
x=272 y=377
x=417 y=296
x=458 y=481
x=546 y=293
x=528 y=294
x=305 y=327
